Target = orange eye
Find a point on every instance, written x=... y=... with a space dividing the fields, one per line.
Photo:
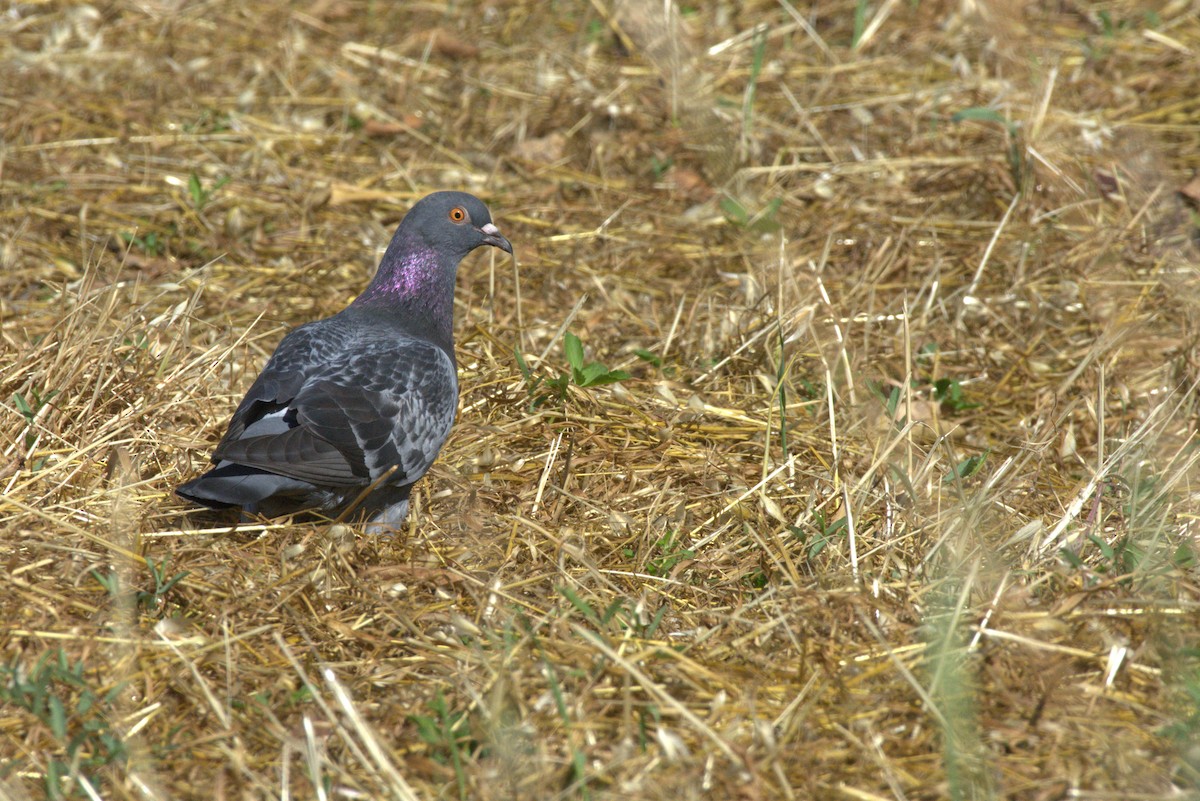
x=458 y=214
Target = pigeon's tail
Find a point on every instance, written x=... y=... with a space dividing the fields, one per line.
x=258 y=491
x=228 y=485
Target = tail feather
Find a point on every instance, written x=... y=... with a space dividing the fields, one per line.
x=228 y=485
x=258 y=491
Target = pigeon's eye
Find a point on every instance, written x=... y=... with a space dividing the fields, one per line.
x=458 y=214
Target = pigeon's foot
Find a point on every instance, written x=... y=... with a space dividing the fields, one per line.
x=388 y=521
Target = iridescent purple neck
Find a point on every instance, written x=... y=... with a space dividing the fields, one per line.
x=418 y=290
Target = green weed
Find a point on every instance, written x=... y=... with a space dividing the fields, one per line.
x=619 y=616
x=150 y=599
x=966 y=468
x=582 y=374
x=448 y=735
x=208 y=122
x=756 y=65
x=670 y=554
x=762 y=221
x=649 y=357
x=150 y=244
x=820 y=534
x=949 y=393
x=660 y=166
x=57 y=695
x=200 y=194
x=29 y=409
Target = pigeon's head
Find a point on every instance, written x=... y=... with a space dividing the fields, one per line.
x=415 y=279
x=452 y=224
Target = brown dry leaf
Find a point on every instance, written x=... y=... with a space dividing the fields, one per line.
x=410 y=122
x=451 y=45
x=1191 y=191
x=548 y=149
x=688 y=183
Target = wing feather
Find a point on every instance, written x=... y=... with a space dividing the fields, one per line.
x=390 y=404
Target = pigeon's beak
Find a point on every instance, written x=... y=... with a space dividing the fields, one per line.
x=493 y=237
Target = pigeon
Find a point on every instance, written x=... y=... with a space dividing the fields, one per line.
x=351 y=410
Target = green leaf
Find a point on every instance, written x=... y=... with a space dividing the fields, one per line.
x=979 y=114
x=559 y=701
x=195 y=190
x=590 y=374
x=648 y=356
x=984 y=114
x=583 y=606
x=734 y=211
x=616 y=606
x=765 y=222
x=178 y=577
x=1106 y=550
x=58 y=717
x=655 y=621
x=579 y=769
x=111 y=696
x=427 y=729
x=608 y=377
x=521 y=364
x=574 y=350
x=23 y=407
x=949 y=393
x=56 y=773
x=1071 y=558
x=860 y=22
x=892 y=402
x=966 y=468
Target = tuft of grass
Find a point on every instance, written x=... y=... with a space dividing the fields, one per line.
x=448 y=735
x=954 y=696
x=56 y=694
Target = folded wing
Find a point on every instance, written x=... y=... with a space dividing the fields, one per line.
x=344 y=424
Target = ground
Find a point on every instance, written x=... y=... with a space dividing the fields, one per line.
x=883 y=484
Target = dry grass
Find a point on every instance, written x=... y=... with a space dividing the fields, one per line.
x=760 y=568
